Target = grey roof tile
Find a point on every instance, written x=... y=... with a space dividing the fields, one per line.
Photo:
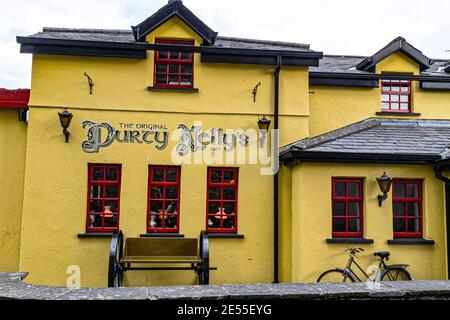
x=381 y=136
x=347 y=64
x=126 y=36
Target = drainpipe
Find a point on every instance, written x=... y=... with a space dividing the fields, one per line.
x=275 y=178
x=438 y=174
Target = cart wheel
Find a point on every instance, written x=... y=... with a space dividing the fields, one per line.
x=203 y=269
x=115 y=269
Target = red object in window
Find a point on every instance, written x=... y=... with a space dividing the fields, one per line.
x=174 y=69
x=103 y=205
x=396 y=95
x=163 y=211
x=347 y=207
x=17 y=99
x=221 y=200
x=407 y=208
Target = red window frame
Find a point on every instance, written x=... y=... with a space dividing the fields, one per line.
x=169 y=61
x=406 y=200
x=388 y=95
x=346 y=199
x=221 y=216
x=163 y=216
x=103 y=184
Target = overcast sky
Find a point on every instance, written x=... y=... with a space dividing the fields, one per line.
x=352 y=27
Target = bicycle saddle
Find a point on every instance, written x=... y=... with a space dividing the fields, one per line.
x=383 y=254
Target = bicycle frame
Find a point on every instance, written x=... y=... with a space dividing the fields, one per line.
x=348 y=269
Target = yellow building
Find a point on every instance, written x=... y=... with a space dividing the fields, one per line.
x=164 y=142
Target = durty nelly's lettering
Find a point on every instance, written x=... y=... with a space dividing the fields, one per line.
x=102 y=135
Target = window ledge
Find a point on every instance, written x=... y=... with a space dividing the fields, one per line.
x=188 y=90
x=410 y=241
x=162 y=235
x=350 y=240
x=95 y=235
x=405 y=114
x=225 y=235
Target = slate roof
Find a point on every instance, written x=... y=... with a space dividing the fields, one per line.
x=126 y=36
x=347 y=64
x=380 y=136
x=174 y=8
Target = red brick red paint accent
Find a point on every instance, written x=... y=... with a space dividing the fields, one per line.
x=14 y=98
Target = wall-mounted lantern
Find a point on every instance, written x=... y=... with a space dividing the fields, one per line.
x=263 y=125
x=65 y=117
x=384 y=182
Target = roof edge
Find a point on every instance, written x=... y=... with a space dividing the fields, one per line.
x=398 y=44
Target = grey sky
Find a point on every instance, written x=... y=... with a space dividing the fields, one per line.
x=353 y=27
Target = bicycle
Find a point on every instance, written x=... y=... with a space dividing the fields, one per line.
x=395 y=272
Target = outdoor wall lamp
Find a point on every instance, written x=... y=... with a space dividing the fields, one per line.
x=65 y=117
x=263 y=125
x=384 y=182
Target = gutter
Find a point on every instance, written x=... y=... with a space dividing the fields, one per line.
x=275 y=177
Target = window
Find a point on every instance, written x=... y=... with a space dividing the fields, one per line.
x=222 y=200
x=103 y=198
x=163 y=199
x=407 y=208
x=174 y=68
x=396 y=95
x=347 y=207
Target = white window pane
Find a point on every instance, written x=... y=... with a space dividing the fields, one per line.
x=384 y=97
x=386 y=88
x=404 y=89
x=403 y=106
x=404 y=98
x=395 y=88
x=395 y=106
x=385 y=106
x=395 y=80
x=395 y=98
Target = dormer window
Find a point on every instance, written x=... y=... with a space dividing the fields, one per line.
x=174 y=69
x=396 y=95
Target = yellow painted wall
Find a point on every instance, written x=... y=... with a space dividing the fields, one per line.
x=55 y=212
x=311 y=221
x=335 y=107
x=13 y=138
x=285 y=224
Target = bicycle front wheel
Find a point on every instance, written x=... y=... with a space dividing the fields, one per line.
x=396 y=274
x=336 y=275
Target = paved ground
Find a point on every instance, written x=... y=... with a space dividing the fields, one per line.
x=12 y=287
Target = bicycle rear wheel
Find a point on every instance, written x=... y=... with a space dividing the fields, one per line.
x=336 y=275
x=396 y=274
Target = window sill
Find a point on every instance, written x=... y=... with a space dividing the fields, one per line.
x=188 y=90
x=411 y=241
x=405 y=114
x=225 y=235
x=162 y=235
x=350 y=240
x=95 y=235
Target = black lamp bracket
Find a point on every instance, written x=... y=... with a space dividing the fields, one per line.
x=381 y=198
x=255 y=91
x=66 y=134
x=90 y=82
